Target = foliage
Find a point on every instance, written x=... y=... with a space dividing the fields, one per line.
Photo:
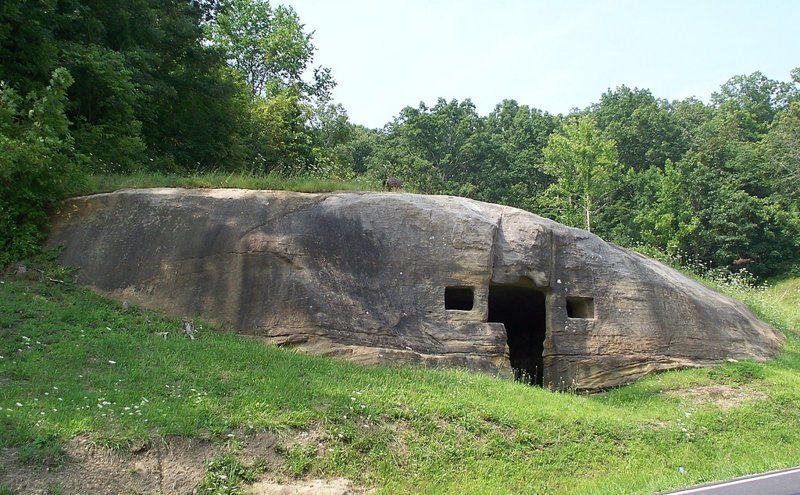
x=269 y=49
x=517 y=136
x=147 y=89
x=38 y=164
x=643 y=128
x=782 y=150
x=445 y=140
x=280 y=140
x=585 y=170
x=752 y=102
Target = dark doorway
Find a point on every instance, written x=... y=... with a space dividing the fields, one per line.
x=521 y=309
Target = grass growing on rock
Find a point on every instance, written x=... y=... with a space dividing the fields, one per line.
x=219 y=179
x=74 y=363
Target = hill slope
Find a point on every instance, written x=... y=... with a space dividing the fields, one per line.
x=82 y=374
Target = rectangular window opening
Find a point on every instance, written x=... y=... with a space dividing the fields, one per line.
x=459 y=298
x=580 y=307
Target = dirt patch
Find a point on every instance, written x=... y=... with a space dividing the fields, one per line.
x=723 y=396
x=260 y=446
x=158 y=467
x=172 y=467
x=311 y=487
x=315 y=436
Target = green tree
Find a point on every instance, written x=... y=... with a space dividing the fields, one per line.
x=585 y=170
x=512 y=174
x=751 y=102
x=643 y=128
x=280 y=140
x=782 y=150
x=449 y=137
x=146 y=83
x=690 y=116
x=269 y=48
x=332 y=133
x=670 y=221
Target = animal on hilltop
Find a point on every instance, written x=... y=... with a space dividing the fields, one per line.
x=392 y=183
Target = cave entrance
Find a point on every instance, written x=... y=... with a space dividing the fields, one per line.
x=521 y=309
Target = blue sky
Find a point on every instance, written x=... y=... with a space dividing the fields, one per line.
x=554 y=55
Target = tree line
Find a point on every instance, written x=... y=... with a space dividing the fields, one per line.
x=100 y=87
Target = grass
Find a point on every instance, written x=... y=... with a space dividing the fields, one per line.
x=240 y=180
x=226 y=474
x=74 y=363
x=786 y=296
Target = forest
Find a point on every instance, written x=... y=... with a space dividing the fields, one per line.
x=93 y=87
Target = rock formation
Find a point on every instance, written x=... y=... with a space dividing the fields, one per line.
x=391 y=277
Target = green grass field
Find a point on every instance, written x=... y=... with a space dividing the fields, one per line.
x=74 y=363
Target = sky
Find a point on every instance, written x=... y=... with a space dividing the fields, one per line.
x=553 y=55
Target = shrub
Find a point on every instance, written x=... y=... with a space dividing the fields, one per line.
x=38 y=163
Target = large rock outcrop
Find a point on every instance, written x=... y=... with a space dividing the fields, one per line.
x=389 y=277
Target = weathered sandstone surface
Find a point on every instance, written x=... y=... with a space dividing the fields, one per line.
x=391 y=277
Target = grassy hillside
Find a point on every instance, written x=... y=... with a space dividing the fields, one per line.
x=75 y=365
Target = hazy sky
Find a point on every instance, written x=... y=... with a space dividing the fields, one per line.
x=554 y=55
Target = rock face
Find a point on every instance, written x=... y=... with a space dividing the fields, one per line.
x=390 y=277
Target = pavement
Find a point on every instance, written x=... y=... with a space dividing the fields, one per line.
x=785 y=482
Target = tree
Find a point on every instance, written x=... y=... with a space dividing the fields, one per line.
x=280 y=140
x=670 y=220
x=449 y=137
x=752 y=101
x=269 y=49
x=585 y=171
x=643 y=128
x=782 y=148
x=513 y=173
x=146 y=83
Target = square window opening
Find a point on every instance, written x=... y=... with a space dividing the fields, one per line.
x=580 y=307
x=459 y=298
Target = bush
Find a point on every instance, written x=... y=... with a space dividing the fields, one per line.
x=38 y=164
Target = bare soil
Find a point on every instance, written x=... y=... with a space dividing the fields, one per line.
x=724 y=397
x=172 y=467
